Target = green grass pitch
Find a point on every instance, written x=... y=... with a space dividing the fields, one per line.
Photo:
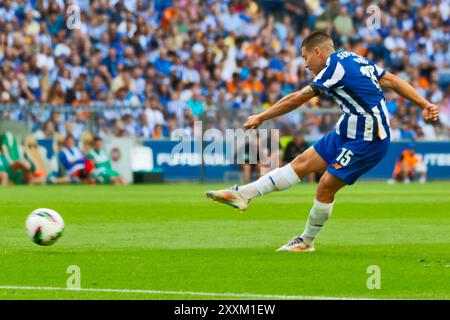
x=171 y=238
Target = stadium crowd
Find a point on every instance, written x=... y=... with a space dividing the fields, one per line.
x=168 y=63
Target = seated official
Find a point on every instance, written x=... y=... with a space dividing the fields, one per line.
x=103 y=172
x=409 y=166
x=74 y=162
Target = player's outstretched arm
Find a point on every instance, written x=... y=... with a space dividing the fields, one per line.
x=283 y=106
x=403 y=88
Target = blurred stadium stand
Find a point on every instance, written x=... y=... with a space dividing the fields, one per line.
x=143 y=68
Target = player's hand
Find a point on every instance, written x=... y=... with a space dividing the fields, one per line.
x=253 y=122
x=430 y=112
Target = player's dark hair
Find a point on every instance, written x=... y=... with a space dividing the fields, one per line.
x=97 y=138
x=316 y=39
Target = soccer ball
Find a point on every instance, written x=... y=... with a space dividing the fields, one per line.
x=44 y=226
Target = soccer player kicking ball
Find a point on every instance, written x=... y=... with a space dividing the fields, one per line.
x=358 y=143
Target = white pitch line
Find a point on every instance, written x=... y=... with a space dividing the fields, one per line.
x=188 y=293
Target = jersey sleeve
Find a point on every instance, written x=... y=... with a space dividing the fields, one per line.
x=379 y=72
x=331 y=75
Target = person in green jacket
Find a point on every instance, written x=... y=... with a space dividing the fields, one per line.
x=4 y=179
x=18 y=168
x=103 y=172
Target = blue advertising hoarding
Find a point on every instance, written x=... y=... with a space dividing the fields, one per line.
x=188 y=167
x=436 y=156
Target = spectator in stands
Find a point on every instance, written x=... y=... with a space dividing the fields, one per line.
x=396 y=45
x=158 y=133
x=407 y=130
x=46 y=131
x=294 y=148
x=196 y=104
x=154 y=113
x=129 y=125
x=391 y=102
x=56 y=95
x=395 y=130
x=343 y=25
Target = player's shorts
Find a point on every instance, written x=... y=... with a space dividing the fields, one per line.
x=348 y=159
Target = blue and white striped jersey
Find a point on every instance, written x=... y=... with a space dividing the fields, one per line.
x=352 y=80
